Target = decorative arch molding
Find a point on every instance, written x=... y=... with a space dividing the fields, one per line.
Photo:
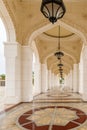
x=74 y=28
x=53 y=38
x=65 y=51
x=34 y=49
x=10 y=30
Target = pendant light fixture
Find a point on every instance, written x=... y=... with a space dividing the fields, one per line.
x=53 y=9
x=59 y=53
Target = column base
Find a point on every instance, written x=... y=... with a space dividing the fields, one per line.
x=2 y=100
x=84 y=97
x=43 y=91
x=27 y=99
x=12 y=100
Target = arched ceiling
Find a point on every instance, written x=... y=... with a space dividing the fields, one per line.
x=27 y=18
x=66 y=67
x=53 y=60
x=55 y=66
x=48 y=46
x=51 y=66
x=70 y=45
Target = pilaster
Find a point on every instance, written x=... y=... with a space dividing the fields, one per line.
x=12 y=52
x=52 y=80
x=44 y=78
x=49 y=79
x=37 y=78
x=27 y=88
x=84 y=77
x=75 y=77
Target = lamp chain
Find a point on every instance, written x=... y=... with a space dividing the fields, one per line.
x=59 y=38
x=60 y=61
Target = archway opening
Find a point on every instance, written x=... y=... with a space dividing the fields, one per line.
x=3 y=38
x=33 y=72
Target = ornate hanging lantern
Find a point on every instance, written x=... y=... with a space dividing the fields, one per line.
x=53 y=9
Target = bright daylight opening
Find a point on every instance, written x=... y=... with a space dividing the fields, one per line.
x=2 y=59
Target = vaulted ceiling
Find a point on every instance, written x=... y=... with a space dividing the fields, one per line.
x=27 y=18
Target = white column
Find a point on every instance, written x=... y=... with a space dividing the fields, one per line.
x=75 y=77
x=84 y=73
x=44 y=78
x=71 y=80
x=40 y=78
x=56 y=81
x=13 y=73
x=49 y=79
x=65 y=80
x=27 y=88
x=52 y=80
x=85 y=80
x=81 y=75
x=68 y=82
x=37 y=84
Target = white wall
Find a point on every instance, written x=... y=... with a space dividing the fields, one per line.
x=81 y=75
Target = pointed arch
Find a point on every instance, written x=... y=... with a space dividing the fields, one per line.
x=49 y=26
x=10 y=30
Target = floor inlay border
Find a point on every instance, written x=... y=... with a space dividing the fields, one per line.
x=24 y=121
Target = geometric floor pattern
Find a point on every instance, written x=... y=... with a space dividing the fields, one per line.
x=47 y=115
x=52 y=118
x=58 y=96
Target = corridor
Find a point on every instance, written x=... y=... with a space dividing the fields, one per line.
x=43 y=65
x=53 y=110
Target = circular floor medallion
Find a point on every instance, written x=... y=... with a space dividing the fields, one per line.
x=58 y=118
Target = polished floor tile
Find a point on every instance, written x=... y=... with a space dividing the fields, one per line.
x=47 y=115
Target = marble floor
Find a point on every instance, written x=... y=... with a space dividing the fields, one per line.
x=56 y=95
x=47 y=115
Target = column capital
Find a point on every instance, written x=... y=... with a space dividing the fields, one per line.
x=27 y=52
x=75 y=67
x=84 y=52
x=11 y=49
